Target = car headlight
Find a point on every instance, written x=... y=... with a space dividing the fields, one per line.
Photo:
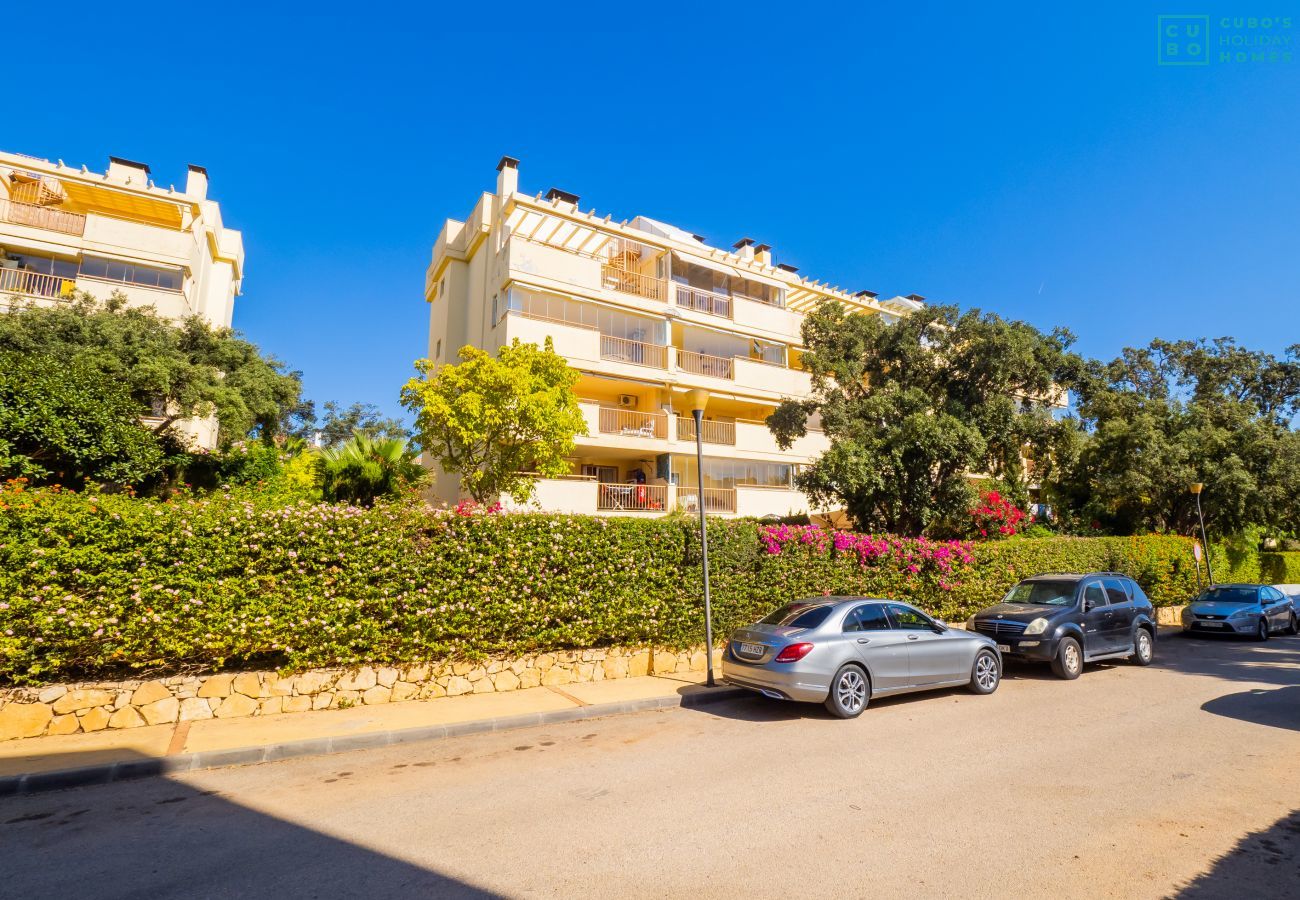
x=1243 y=614
x=1187 y=613
x=1038 y=626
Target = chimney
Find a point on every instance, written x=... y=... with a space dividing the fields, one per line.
x=763 y=254
x=563 y=196
x=507 y=176
x=196 y=182
x=786 y=267
x=744 y=248
x=870 y=295
x=124 y=171
x=917 y=298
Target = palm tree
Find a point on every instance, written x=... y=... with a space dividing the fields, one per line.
x=366 y=468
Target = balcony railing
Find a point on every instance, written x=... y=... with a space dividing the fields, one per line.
x=36 y=284
x=703 y=364
x=46 y=217
x=633 y=424
x=716 y=500
x=617 y=278
x=703 y=301
x=711 y=432
x=635 y=497
x=638 y=353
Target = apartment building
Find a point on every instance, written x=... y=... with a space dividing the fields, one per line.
x=646 y=313
x=64 y=228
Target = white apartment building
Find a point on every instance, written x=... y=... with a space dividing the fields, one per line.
x=64 y=228
x=645 y=312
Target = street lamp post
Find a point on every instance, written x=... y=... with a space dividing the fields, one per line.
x=1195 y=487
x=697 y=399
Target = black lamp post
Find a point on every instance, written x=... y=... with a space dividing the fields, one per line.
x=1195 y=487
x=697 y=399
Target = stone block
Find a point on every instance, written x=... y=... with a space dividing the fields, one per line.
x=95 y=719
x=404 y=690
x=476 y=674
x=248 y=684
x=376 y=694
x=345 y=699
x=296 y=704
x=544 y=661
x=557 y=675
x=698 y=660
x=461 y=667
x=494 y=666
x=506 y=681
x=236 y=706
x=270 y=706
x=432 y=691
x=530 y=678
x=362 y=680
x=386 y=676
x=518 y=665
x=458 y=685
x=122 y=699
x=322 y=700
x=584 y=671
x=24 y=720
x=665 y=662
x=52 y=693
x=126 y=717
x=150 y=692
x=310 y=682
x=193 y=708
x=638 y=664
x=160 y=712
x=616 y=666
x=417 y=674
x=75 y=701
x=216 y=686
x=61 y=725
x=483 y=686
x=277 y=686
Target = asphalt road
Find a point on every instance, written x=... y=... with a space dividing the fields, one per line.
x=1178 y=780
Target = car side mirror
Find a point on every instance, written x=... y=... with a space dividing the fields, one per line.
x=1089 y=605
x=939 y=627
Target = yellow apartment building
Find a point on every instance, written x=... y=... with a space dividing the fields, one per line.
x=645 y=312
x=64 y=228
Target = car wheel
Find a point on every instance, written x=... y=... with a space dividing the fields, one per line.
x=1261 y=633
x=1144 y=649
x=850 y=692
x=986 y=674
x=1293 y=627
x=1068 y=662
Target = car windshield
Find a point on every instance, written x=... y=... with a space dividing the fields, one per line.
x=1230 y=595
x=801 y=614
x=1042 y=593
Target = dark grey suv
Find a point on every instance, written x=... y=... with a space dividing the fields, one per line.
x=1069 y=619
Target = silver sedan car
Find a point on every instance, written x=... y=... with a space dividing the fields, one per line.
x=842 y=651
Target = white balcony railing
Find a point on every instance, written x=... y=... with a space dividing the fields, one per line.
x=637 y=353
x=629 y=423
x=688 y=297
x=711 y=432
x=616 y=278
x=704 y=364
x=632 y=497
x=35 y=284
x=47 y=217
x=716 y=500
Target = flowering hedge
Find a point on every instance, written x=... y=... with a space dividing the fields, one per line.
x=98 y=586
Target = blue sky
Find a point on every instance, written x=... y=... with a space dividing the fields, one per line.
x=1030 y=160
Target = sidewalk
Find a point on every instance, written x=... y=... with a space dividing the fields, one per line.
x=48 y=763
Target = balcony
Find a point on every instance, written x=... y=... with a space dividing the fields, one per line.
x=716 y=500
x=631 y=497
x=47 y=217
x=629 y=423
x=688 y=297
x=703 y=364
x=34 y=284
x=638 y=353
x=615 y=278
x=711 y=432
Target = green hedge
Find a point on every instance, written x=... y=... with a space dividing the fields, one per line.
x=1280 y=568
x=100 y=586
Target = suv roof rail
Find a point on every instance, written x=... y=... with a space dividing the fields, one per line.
x=1079 y=574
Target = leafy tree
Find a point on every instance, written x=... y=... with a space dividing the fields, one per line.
x=174 y=370
x=65 y=422
x=365 y=468
x=491 y=419
x=340 y=423
x=913 y=409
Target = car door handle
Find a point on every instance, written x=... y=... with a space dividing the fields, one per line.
x=864 y=640
x=911 y=637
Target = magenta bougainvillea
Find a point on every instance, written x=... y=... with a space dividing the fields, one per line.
x=997 y=516
x=912 y=556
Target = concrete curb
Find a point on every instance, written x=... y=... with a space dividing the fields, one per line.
x=37 y=782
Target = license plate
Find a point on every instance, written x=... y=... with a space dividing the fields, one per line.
x=1005 y=648
x=1211 y=624
x=752 y=649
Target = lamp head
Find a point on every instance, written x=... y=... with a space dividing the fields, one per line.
x=1195 y=487
x=697 y=399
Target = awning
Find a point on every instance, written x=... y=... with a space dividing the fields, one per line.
x=734 y=271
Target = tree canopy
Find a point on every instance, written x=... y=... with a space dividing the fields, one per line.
x=170 y=370
x=494 y=419
x=339 y=423
x=913 y=409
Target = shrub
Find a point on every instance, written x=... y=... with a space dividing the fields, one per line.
x=97 y=585
x=996 y=517
x=1280 y=568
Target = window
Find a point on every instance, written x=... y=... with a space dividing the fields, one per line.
x=773 y=354
x=800 y=614
x=603 y=474
x=1135 y=591
x=727 y=473
x=1115 y=591
x=869 y=617
x=909 y=619
x=1042 y=593
x=1093 y=596
x=132 y=273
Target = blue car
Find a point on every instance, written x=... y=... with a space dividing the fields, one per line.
x=1258 y=610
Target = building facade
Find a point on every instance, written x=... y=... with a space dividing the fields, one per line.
x=645 y=312
x=64 y=229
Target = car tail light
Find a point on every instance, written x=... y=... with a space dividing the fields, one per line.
x=793 y=653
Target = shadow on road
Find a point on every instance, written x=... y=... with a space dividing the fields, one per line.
x=1276 y=661
x=156 y=837
x=1277 y=707
x=1263 y=864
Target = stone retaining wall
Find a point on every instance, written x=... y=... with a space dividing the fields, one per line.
x=95 y=706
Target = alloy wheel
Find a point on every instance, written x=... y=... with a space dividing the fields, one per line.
x=1144 y=646
x=852 y=690
x=1072 y=658
x=986 y=672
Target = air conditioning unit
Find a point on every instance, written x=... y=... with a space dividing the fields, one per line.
x=628 y=401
